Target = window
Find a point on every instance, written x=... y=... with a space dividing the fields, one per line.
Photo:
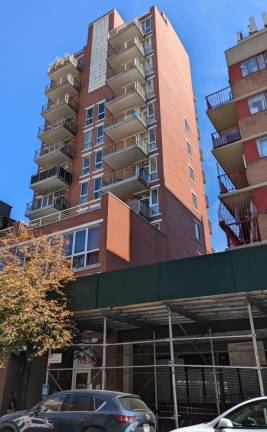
x=152 y=139
x=86 y=165
x=98 y=159
x=132 y=403
x=262 y=146
x=253 y=64
x=150 y=87
x=251 y=415
x=194 y=200
x=150 y=112
x=154 y=201
x=149 y=65
x=52 y=404
x=147 y=25
x=148 y=44
x=83 y=192
x=191 y=174
x=89 y=116
x=87 y=139
x=186 y=125
x=97 y=187
x=101 y=111
x=197 y=231
x=153 y=168
x=81 y=402
x=82 y=247
x=257 y=103
x=189 y=148
x=100 y=134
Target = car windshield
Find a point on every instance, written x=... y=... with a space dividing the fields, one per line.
x=133 y=404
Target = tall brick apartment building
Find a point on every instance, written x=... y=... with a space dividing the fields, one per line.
x=119 y=167
x=239 y=115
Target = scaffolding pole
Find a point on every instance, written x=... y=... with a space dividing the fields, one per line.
x=104 y=354
x=155 y=374
x=47 y=367
x=214 y=376
x=256 y=351
x=174 y=393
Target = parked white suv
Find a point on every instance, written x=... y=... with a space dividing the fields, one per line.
x=249 y=416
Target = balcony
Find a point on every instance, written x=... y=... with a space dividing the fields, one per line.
x=57 y=131
x=124 y=32
x=56 y=154
x=51 y=180
x=124 y=52
x=242 y=227
x=221 y=109
x=57 y=89
x=233 y=181
x=127 y=97
x=228 y=149
x=127 y=73
x=226 y=136
x=45 y=206
x=127 y=181
x=141 y=208
x=64 y=66
x=63 y=108
x=127 y=124
x=126 y=152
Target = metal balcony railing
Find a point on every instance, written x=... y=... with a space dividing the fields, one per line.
x=125 y=67
x=127 y=90
x=232 y=181
x=48 y=201
x=56 y=171
x=226 y=136
x=130 y=115
x=60 y=62
x=63 y=146
x=66 y=100
x=68 y=79
x=123 y=27
x=219 y=98
x=126 y=45
x=137 y=140
x=140 y=207
x=126 y=173
x=67 y=123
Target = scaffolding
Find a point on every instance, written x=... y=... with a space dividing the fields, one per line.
x=189 y=359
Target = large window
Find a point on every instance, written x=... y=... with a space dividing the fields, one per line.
x=89 y=116
x=152 y=143
x=197 y=231
x=87 y=139
x=97 y=187
x=253 y=64
x=262 y=146
x=147 y=25
x=149 y=65
x=150 y=87
x=100 y=134
x=154 y=201
x=98 y=159
x=148 y=44
x=257 y=103
x=82 y=247
x=151 y=112
x=153 y=168
x=84 y=192
x=85 y=165
x=101 y=111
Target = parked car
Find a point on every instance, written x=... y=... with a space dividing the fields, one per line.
x=83 y=411
x=249 y=416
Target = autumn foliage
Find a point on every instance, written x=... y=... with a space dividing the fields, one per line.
x=34 y=315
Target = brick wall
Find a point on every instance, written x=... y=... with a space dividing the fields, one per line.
x=257 y=172
x=250 y=83
x=253 y=125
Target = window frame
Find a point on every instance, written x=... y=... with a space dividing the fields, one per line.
x=194 y=198
x=89 y=120
x=152 y=145
x=84 y=197
x=152 y=92
x=101 y=115
x=259 y=148
x=98 y=127
x=156 y=205
x=87 y=144
x=197 y=231
x=85 y=251
x=97 y=192
x=191 y=171
x=147 y=28
x=189 y=145
x=151 y=118
x=253 y=99
x=151 y=173
x=100 y=163
x=86 y=168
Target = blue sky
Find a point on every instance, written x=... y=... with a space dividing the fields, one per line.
x=33 y=33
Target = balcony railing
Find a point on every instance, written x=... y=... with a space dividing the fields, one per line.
x=123 y=27
x=242 y=227
x=136 y=140
x=49 y=201
x=140 y=207
x=126 y=45
x=61 y=62
x=64 y=147
x=67 y=123
x=127 y=173
x=130 y=115
x=57 y=171
x=226 y=136
x=127 y=90
x=66 y=100
x=219 y=98
x=232 y=181
x=125 y=67
x=68 y=79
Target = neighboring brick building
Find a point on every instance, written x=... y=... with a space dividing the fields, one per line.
x=239 y=115
x=119 y=162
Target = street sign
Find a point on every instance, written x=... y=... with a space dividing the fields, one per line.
x=55 y=358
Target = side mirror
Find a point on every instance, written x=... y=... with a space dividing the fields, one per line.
x=224 y=423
